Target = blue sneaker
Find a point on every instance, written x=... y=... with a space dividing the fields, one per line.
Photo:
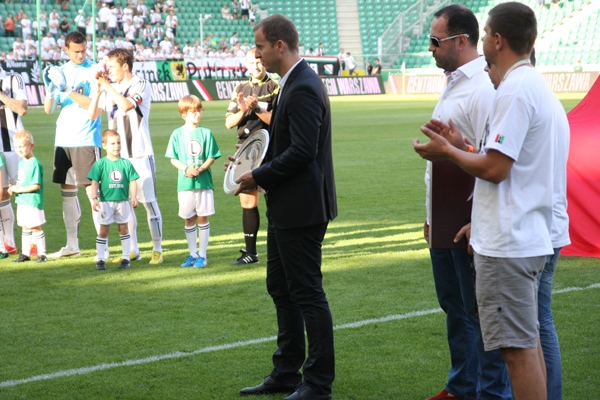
x=189 y=262
x=200 y=262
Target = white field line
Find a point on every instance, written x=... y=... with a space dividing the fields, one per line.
x=210 y=349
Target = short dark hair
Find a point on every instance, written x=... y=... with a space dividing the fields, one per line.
x=277 y=27
x=123 y=56
x=516 y=23
x=460 y=20
x=74 y=37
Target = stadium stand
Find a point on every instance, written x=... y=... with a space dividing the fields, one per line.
x=566 y=33
x=316 y=21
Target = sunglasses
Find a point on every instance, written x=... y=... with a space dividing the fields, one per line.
x=436 y=42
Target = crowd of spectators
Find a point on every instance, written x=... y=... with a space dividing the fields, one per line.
x=138 y=27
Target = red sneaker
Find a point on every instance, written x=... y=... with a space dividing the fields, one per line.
x=33 y=250
x=10 y=249
x=443 y=395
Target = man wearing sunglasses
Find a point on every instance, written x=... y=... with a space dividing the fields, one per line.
x=523 y=156
x=467 y=101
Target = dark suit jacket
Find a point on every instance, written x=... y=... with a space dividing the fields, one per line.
x=298 y=169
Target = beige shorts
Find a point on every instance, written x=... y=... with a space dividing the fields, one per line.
x=198 y=202
x=506 y=290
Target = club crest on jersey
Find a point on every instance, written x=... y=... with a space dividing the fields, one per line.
x=116 y=175
x=194 y=148
x=137 y=98
x=499 y=138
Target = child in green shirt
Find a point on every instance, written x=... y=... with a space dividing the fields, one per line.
x=29 y=196
x=113 y=181
x=192 y=150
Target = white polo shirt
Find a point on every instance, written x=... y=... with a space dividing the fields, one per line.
x=467 y=99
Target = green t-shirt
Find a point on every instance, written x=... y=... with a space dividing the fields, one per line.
x=114 y=178
x=2 y=163
x=193 y=148
x=31 y=172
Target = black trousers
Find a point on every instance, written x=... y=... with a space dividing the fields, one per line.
x=295 y=283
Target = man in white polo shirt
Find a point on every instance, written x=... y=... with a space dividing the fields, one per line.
x=516 y=170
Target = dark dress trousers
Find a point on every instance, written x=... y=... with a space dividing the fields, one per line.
x=297 y=175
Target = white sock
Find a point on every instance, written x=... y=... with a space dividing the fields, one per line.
x=125 y=244
x=26 y=242
x=39 y=239
x=132 y=226
x=7 y=220
x=95 y=214
x=101 y=247
x=71 y=216
x=203 y=234
x=155 y=224
x=191 y=234
x=2 y=248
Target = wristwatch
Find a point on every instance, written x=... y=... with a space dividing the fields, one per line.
x=257 y=109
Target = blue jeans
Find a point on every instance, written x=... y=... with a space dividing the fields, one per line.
x=474 y=373
x=550 y=346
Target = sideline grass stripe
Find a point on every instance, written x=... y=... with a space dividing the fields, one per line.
x=210 y=349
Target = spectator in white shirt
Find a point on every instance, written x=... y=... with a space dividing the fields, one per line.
x=25 y=26
x=225 y=13
x=142 y=10
x=48 y=41
x=112 y=23
x=155 y=17
x=80 y=21
x=103 y=16
x=172 y=22
x=53 y=25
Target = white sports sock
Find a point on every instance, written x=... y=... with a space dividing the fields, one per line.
x=125 y=244
x=26 y=237
x=71 y=216
x=132 y=226
x=155 y=224
x=7 y=220
x=191 y=234
x=2 y=248
x=101 y=247
x=39 y=239
x=203 y=234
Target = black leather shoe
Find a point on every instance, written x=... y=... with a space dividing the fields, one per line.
x=304 y=392
x=269 y=385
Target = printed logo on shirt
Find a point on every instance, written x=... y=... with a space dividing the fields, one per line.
x=499 y=138
x=116 y=175
x=193 y=148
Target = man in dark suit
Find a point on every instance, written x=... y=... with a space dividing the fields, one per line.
x=300 y=193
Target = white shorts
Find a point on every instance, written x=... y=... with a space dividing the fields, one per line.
x=198 y=202
x=146 y=184
x=29 y=216
x=115 y=211
x=10 y=168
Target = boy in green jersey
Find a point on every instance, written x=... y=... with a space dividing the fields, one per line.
x=192 y=150
x=29 y=196
x=113 y=181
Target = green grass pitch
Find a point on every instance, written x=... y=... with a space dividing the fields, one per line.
x=68 y=331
